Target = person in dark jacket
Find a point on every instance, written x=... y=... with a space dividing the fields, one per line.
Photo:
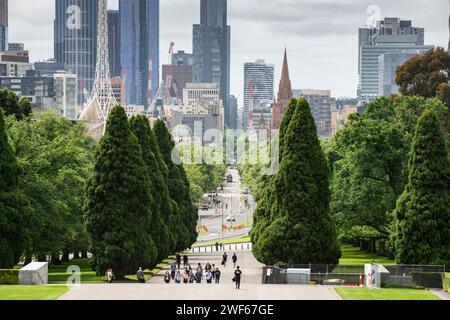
x=237 y=278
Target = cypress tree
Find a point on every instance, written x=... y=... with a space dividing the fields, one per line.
x=301 y=230
x=178 y=185
x=158 y=228
x=15 y=209
x=262 y=216
x=422 y=227
x=118 y=213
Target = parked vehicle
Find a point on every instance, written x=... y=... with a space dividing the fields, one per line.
x=230 y=178
x=231 y=218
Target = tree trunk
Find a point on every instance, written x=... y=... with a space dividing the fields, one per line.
x=28 y=259
x=42 y=258
x=84 y=254
x=65 y=257
x=382 y=248
x=55 y=260
x=364 y=245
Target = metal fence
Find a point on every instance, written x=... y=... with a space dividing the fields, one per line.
x=397 y=276
x=246 y=246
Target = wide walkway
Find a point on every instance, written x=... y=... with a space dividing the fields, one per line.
x=251 y=288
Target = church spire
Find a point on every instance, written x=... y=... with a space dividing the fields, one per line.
x=285 y=89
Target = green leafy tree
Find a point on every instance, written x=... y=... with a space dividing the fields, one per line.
x=368 y=159
x=422 y=228
x=184 y=220
x=301 y=230
x=57 y=159
x=158 y=228
x=118 y=211
x=15 y=209
x=427 y=76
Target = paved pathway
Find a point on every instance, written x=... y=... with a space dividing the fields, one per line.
x=251 y=287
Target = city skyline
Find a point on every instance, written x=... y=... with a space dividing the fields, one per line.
x=303 y=26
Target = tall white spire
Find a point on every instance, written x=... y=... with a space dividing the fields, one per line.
x=102 y=100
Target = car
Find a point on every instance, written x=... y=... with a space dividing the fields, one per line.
x=204 y=207
x=245 y=191
x=230 y=178
x=231 y=218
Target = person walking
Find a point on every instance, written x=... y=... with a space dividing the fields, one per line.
x=213 y=271
x=191 y=277
x=218 y=274
x=235 y=259
x=167 y=277
x=178 y=277
x=185 y=260
x=140 y=276
x=110 y=275
x=224 y=260
x=173 y=270
x=178 y=260
x=208 y=276
x=237 y=278
x=217 y=246
x=199 y=267
x=198 y=276
x=186 y=277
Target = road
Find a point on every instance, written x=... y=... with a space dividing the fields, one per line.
x=233 y=205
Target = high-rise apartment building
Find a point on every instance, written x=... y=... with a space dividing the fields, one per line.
x=258 y=85
x=139 y=49
x=321 y=104
x=75 y=42
x=389 y=35
x=66 y=95
x=211 y=50
x=114 y=43
x=3 y=25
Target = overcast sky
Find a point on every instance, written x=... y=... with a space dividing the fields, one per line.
x=321 y=35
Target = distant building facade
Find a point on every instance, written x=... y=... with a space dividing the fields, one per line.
x=388 y=64
x=389 y=35
x=14 y=63
x=211 y=52
x=258 y=85
x=3 y=25
x=114 y=42
x=65 y=93
x=321 y=104
x=139 y=50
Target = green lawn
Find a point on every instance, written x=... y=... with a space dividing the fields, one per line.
x=32 y=292
x=384 y=294
x=57 y=274
x=354 y=256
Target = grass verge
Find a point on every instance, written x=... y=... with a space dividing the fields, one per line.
x=384 y=294
x=32 y=292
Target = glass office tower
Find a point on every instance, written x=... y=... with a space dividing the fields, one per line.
x=139 y=49
x=75 y=42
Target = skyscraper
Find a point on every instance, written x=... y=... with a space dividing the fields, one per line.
x=258 y=84
x=75 y=42
x=139 y=49
x=389 y=35
x=211 y=50
x=114 y=43
x=3 y=25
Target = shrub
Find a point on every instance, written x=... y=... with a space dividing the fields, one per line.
x=428 y=279
x=9 y=276
x=446 y=281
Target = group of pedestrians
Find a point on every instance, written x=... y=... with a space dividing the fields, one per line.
x=210 y=273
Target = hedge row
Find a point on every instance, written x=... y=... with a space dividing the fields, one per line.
x=446 y=282
x=9 y=276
